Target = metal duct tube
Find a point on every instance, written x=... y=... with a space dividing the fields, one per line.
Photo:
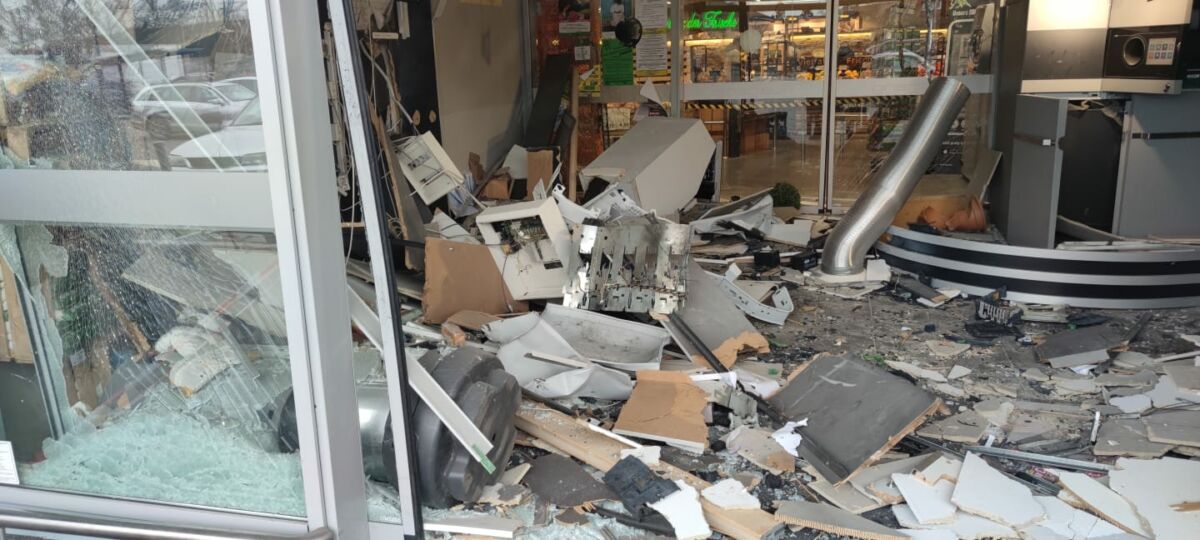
x=875 y=209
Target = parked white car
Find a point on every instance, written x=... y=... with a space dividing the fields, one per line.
x=213 y=104
x=240 y=146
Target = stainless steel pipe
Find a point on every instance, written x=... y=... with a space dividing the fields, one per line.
x=847 y=246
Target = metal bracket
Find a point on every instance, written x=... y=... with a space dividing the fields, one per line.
x=776 y=314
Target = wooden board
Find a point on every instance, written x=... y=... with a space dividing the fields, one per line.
x=14 y=333
x=855 y=410
x=602 y=452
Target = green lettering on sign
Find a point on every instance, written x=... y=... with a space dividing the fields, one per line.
x=712 y=20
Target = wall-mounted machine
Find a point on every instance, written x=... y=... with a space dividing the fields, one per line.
x=1153 y=46
x=1126 y=46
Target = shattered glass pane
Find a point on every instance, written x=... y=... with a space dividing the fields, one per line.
x=162 y=360
x=129 y=85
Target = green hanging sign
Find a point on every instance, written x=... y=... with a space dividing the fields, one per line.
x=712 y=20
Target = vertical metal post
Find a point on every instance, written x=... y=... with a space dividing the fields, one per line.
x=676 y=37
x=299 y=146
x=369 y=173
x=828 y=109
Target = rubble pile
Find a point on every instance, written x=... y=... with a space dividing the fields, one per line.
x=686 y=373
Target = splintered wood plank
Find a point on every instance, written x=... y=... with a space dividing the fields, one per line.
x=856 y=412
x=603 y=452
x=831 y=519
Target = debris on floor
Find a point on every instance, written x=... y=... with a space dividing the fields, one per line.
x=689 y=372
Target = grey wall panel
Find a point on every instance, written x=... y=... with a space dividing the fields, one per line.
x=1161 y=189
x=1036 y=169
x=1009 y=55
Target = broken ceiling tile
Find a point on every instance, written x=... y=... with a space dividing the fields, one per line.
x=564 y=483
x=846 y=496
x=1173 y=427
x=916 y=372
x=965 y=526
x=965 y=427
x=958 y=372
x=1154 y=486
x=1071 y=387
x=946 y=348
x=949 y=390
x=1186 y=378
x=1104 y=502
x=758 y=447
x=943 y=468
x=995 y=410
x=856 y=412
x=665 y=406
x=682 y=509
x=824 y=517
x=731 y=495
x=1166 y=393
x=1035 y=374
x=930 y=504
x=984 y=491
x=876 y=481
x=1131 y=404
x=1126 y=437
x=1141 y=378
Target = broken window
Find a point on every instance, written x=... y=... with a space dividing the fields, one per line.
x=161 y=358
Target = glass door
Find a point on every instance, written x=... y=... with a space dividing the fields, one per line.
x=754 y=76
x=886 y=52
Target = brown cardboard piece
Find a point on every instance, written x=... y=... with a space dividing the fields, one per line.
x=540 y=166
x=665 y=406
x=461 y=276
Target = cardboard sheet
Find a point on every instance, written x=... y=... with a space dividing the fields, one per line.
x=666 y=406
x=460 y=277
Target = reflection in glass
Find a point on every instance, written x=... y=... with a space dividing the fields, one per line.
x=121 y=84
x=159 y=361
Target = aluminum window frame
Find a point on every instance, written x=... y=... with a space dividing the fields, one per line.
x=299 y=189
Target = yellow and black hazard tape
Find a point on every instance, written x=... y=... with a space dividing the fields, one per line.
x=792 y=104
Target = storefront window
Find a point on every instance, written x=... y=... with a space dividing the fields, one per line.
x=157 y=358
x=129 y=85
x=886 y=50
x=146 y=353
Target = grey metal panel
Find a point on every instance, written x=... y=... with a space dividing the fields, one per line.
x=1036 y=167
x=1065 y=54
x=1161 y=186
x=1008 y=58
